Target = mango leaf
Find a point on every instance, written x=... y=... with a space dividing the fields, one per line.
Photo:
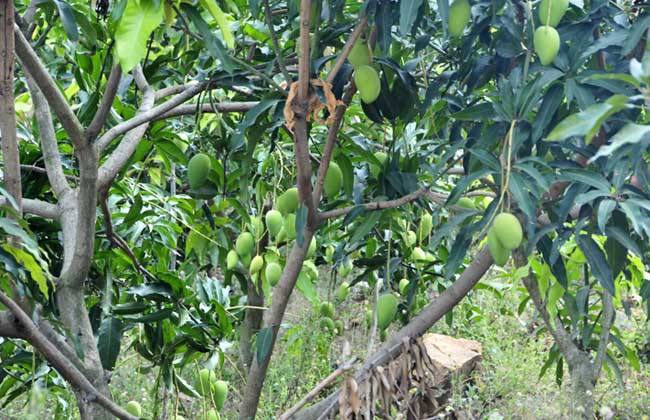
x=108 y=342
x=408 y=13
x=629 y=134
x=31 y=265
x=306 y=287
x=66 y=13
x=222 y=21
x=587 y=123
x=212 y=43
x=264 y=343
x=139 y=20
x=597 y=261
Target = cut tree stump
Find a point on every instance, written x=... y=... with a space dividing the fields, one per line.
x=451 y=358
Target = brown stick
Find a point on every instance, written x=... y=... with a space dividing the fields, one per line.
x=318 y=388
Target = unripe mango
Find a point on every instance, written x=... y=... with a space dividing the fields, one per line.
x=499 y=253
x=219 y=393
x=198 y=169
x=274 y=222
x=418 y=254
x=550 y=12
x=232 y=259
x=547 y=44
x=327 y=309
x=411 y=238
x=333 y=181
x=466 y=203
x=403 y=286
x=459 y=14
x=244 y=244
x=134 y=408
x=205 y=380
x=273 y=273
x=290 y=226
x=508 y=231
x=288 y=201
x=386 y=310
x=211 y=414
x=257 y=227
x=424 y=229
x=327 y=323
x=359 y=54
x=343 y=291
x=339 y=327
x=309 y=268
x=368 y=83
x=256 y=264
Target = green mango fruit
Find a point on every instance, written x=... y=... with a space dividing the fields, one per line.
x=232 y=259
x=418 y=254
x=360 y=54
x=274 y=222
x=327 y=309
x=403 y=286
x=411 y=238
x=367 y=80
x=547 y=44
x=205 y=380
x=386 y=310
x=211 y=414
x=339 y=327
x=460 y=13
x=466 y=203
x=245 y=244
x=508 y=231
x=288 y=201
x=374 y=169
x=273 y=273
x=198 y=169
x=425 y=226
x=499 y=253
x=256 y=264
x=333 y=181
x=343 y=291
x=327 y=323
x=134 y=408
x=219 y=393
x=550 y=12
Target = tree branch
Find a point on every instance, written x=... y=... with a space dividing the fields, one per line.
x=49 y=145
x=149 y=116
x=223 y=107
x=274 y=41
x=37 y=208
x=10 y=155
x=105 y=106
x=68 y=370
x=132 y=138
x=356 y=33
x=50 y=90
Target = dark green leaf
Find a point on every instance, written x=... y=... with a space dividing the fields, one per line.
x=408 y=13
x=108 y=341
x=597 y=261
x=264 y=344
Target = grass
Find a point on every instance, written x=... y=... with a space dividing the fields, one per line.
x=507 y=387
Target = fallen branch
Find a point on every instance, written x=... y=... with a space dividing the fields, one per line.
x=318 y=388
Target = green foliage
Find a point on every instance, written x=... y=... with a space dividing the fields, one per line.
x=139 y=19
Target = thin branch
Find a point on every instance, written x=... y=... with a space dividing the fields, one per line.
x=332 y=135
x=105 y=106
x=49 y=145
x=50 y=90
x=10 y=155
x=39 y=170
x=274 y=41
x=347 y=366
x=356 y=33
x=66 y=368
x=381 y=205
x=606 y=323
x=223 y=107
x=149 y=116
x=37 y=208
x=132 y=138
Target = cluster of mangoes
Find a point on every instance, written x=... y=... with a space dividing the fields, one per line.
x=504 y=236
x=327 y=322
x=210 y=387
x=547 y=39
x=366 y=77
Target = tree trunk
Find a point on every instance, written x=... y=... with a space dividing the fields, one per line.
x=583 y=381
x=252 y=324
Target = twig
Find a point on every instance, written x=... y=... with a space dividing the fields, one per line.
x=274 y=41
x=105 y=106
x=347 y=366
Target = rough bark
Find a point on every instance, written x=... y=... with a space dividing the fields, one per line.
x=11 y=161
